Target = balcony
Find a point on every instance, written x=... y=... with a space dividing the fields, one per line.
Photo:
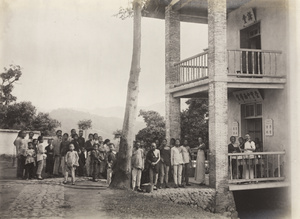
x=247 y=68
x=256 y=170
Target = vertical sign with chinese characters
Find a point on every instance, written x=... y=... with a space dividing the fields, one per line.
x=269 y=127
x=248 y=17
x=235 y=129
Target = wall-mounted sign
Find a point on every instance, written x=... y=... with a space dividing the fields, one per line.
x=248 y=17
x=248 y=96
x=268 y=127
x=235 y=129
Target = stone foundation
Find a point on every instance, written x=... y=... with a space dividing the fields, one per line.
x=203 y=198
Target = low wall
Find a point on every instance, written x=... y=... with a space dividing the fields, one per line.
x=7 y=138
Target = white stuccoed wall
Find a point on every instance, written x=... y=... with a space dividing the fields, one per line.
x=7 y=138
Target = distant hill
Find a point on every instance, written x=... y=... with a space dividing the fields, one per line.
x=119 y=111
x=104 y=120
x=104 y=126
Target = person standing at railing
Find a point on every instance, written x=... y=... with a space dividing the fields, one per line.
x=248 y=170
x=233 y=162
x=240 y=159
x=258 y=160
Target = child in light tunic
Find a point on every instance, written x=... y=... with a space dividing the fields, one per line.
x=30 y=161
x=71 y=162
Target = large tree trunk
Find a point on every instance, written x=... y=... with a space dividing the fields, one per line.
x=122 y=171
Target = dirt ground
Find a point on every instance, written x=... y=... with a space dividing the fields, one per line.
x=128 y=204
x=86 y=203
x=51 y=199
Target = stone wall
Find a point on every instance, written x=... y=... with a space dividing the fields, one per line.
x=202 y=198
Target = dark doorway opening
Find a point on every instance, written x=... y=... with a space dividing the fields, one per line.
x=250 y=39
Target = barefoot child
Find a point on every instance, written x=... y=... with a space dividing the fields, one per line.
x=71 y=162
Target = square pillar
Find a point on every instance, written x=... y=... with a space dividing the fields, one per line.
x=172 y=55
x=218 y=105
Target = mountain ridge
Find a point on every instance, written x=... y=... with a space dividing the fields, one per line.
x=104 y=120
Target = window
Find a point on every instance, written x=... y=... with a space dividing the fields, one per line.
x=258 y=109
x=250 y=110
x=253 y=110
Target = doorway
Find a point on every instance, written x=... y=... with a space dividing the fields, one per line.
x=252 y=122
x=254 y=129
x=250 y=39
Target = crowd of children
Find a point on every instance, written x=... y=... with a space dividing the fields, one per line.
x=74 y=156
x=64 y=155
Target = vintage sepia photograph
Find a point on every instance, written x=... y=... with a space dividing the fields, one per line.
x=149 y=109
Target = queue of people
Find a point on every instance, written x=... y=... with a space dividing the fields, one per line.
x=64 y=155
x=155 y=163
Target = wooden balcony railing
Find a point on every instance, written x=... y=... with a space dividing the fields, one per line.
x=193 y=68
x=256 y=167
x=241 y=63
x=253 y=62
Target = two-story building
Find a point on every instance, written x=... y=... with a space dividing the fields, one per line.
x=244 y=74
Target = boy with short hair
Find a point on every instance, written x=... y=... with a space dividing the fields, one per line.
x=71 y=162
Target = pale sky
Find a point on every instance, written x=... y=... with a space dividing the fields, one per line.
x=75 y=54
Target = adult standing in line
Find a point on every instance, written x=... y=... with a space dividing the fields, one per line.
x=72 y=135
x=106 y=145
x=103 y=159
x=81 y=140
x=56 y=152
x=21 y=146
x=152 y=159
x=81 y=153
x=89 y=147
x=50 y=158
x=187 y=157
x=166 y=163
x=200 y=163
x=177 y=163
x=137 y=163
